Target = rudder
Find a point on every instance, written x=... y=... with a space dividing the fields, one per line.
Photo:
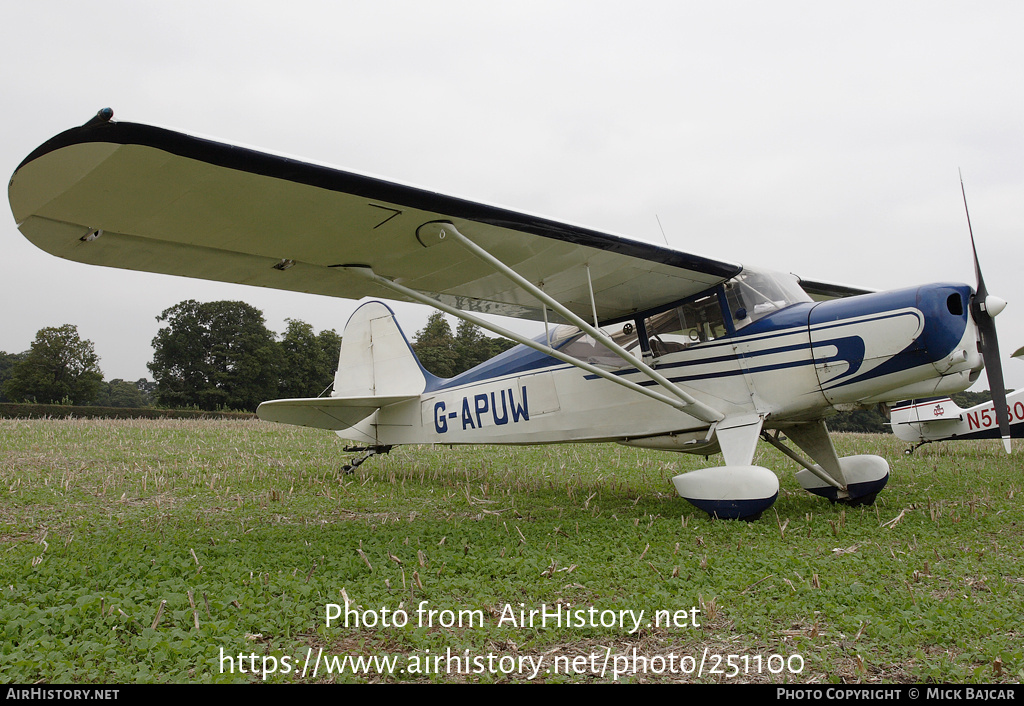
x=376 y=359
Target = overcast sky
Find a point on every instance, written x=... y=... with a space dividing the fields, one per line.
x=819 y=138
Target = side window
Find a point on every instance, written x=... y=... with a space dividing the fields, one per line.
x=694 y=322
x=585 y=348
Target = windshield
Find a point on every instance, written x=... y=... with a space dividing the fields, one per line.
x=755 y=293
x=750 y=295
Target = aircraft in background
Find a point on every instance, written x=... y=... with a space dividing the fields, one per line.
x=940 y=419
x=642 y=345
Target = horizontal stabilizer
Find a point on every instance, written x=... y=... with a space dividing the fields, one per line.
x=334 y=413
x=935 y=423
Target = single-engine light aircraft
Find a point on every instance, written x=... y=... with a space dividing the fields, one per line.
x=941 y=419
x=642 y=345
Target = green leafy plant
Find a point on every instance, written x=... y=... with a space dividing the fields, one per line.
x=213 y=550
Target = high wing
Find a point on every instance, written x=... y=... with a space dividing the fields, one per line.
x=146 y=198
x=826 y=291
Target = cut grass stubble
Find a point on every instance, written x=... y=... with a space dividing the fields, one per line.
x=148 y=550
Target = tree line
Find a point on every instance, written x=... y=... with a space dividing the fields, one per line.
x=216 y=356
x=874 y=421
x=206 y=355
x=221 y=356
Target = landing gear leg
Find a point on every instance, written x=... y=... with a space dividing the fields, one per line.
x=851 y=480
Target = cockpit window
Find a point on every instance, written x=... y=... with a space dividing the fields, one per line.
x=753 y=294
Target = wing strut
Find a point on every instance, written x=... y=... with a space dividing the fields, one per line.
x=710 y=416
x=438 y=232
x=777 y=443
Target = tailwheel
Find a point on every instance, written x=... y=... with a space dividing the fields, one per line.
x=910 y=450
x=349 y=468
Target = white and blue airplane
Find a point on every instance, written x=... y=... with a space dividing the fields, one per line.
x=924 y=421
x=642 y=345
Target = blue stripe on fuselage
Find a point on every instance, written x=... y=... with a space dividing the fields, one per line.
x=942 y=331
x=520 y=359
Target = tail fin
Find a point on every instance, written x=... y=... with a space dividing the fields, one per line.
x=376 y=368
x=376 y=360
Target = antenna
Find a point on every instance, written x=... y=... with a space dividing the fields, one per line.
x=662 y=229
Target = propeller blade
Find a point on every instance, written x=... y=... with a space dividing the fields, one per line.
x=994 y=370
x=982 y=292
x=989 y=341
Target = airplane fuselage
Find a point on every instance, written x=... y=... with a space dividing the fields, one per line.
x=793 y=364
x=923 y=421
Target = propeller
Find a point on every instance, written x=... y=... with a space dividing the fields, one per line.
x=984 y=308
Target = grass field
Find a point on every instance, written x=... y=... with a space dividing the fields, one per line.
x=210 y=551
